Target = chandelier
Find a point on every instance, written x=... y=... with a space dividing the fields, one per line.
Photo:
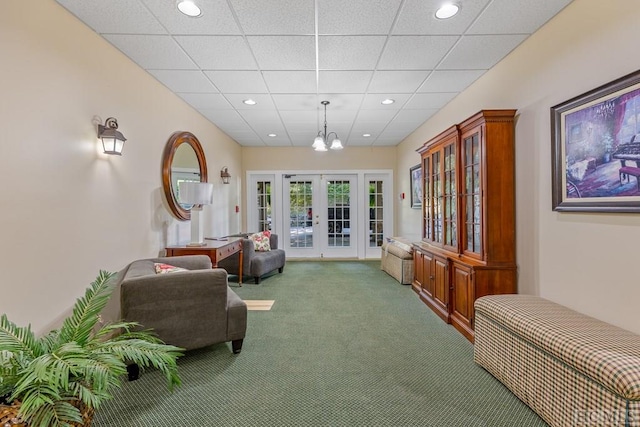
x=320 y=143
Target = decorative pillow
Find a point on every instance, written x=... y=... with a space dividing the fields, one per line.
x=166 y=268
x=261 y=241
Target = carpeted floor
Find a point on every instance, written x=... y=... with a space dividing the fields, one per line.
x=343 y=345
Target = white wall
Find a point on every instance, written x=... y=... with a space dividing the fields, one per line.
x=68 y=210
x=584 y=261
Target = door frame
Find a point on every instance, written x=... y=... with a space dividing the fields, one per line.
x=361 y=234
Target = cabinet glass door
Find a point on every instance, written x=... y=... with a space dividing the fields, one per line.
x=472 y=194
x=449 y=197
x=437 y=199
x=428 y=205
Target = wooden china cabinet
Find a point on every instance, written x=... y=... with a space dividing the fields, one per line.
x=468 y=218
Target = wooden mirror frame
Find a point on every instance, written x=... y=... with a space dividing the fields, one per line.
x=177 y=139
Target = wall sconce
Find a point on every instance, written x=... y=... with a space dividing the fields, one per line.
x=225 y=175
x=112 y=140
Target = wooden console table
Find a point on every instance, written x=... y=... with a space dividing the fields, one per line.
x=215 y=249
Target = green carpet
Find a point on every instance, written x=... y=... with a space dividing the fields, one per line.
x=343 y=345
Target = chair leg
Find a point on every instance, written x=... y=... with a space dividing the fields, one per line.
x=236 y=345
x=133 y=371
x=280 y=269
x=257 y=280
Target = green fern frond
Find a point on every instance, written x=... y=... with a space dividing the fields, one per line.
x=161 y=356
x=79 y=326
x=17 y=339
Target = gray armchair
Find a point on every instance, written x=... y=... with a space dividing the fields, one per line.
x=255 y=263
x=189 y=309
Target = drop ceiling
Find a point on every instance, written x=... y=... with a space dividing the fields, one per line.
x=289 y=55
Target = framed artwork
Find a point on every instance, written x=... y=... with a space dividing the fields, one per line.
x=595 y=149
x=415 y=178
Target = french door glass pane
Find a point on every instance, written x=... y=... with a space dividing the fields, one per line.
x=301 y=200
x=338 y=218
x=264 y=205
x=376 y=229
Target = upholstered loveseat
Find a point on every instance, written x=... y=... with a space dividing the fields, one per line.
x=256 y=263
x=397 y=259
x=189 y=309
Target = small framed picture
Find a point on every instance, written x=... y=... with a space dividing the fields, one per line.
x=415 y=175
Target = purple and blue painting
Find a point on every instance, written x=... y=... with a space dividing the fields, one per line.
x=602 y=148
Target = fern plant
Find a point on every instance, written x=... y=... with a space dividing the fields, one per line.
x=69 y=372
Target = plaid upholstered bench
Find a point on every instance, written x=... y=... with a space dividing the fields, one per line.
x=572 y=369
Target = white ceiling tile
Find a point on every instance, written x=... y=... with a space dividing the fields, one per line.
x=397 y=81
x=275 y=16
x=152 y=52
x=216 y=17
x=263 y=101
x=349 y=52
x=263 y=129
x=415 y=52
x=378 y=115
x=418 y=17
x=296 y=102
x=284 y=52
x=299 y=120
x=260 y=116
x=206 y=100
x=226 y=119
x=360 y=142
x=450 y=80
x=290 y=81
x=115 y=16
x=344 y=81
x=341 y=101
x=480 y=52
x=303 y=138
x=184 y=80
x=356 y=16
x=279 y=139
x=218 y=52
x=238 y=81
x=415 y=117
x=374 y=101
x=421 y=101
x=374 y=128
x=509 y=17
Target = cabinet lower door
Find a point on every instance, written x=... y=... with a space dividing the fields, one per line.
x=462 y=296
x=440 y=287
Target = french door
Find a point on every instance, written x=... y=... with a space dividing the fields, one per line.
x=344 y=214
x=320 y=213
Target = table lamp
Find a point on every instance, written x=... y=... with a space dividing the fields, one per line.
x=196 y=194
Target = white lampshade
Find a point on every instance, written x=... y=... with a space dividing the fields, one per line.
x=196 y=193
x=318 y=142
x=336 y=144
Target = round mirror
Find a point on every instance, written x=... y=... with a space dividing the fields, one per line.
x=183 y=160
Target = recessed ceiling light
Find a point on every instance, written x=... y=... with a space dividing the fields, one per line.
x=388 y=101
x=366 y=135
x=447 y=11
x=189 y=8
x=249 y=101
x=272 y=135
